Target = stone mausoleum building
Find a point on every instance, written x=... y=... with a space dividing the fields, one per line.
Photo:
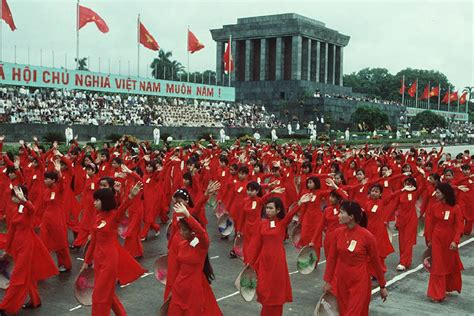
x=281 y=57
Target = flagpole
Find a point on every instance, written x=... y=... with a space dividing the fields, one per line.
x=1 y=31
x=429 y=93
x=416 y=94
x=138 y=46
x=188 y=53
x=449 y=96
x=403 y=89
x=458 y=101
x=77 y=35
x=231 y=58
x=439 y=95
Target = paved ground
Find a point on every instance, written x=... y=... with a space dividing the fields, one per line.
x=407 y=296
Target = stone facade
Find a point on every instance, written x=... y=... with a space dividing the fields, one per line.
x=283 y=56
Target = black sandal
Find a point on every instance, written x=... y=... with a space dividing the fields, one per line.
x=30 y=305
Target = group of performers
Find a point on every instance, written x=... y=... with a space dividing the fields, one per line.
x=344 y=199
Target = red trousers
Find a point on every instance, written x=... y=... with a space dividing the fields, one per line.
x=64 y=259
x=406 y=254
x=467 y=227
x=16 y=296
x=104 y=309
x=176 y=310
x=272 y=310
x=438 y=285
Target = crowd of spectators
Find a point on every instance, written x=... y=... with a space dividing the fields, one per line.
x=48 y=106
x=355 y=97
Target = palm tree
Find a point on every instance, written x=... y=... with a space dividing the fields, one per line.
x=81 y=64
x=165 y=68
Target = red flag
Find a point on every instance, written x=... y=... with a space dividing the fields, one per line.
x=412 y=89
x=193 y=43
x=425 y=94
x=147 y=40
x=228 y=59
x=434 y=92
x=7 y=15
x=463 y=98
x=453 y=97
x=86 y=15
x=402 y=88
x=446 y=97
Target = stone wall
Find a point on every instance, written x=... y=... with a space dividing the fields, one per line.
x=15 y=132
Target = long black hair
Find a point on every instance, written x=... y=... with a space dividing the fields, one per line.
x=448 y=192
x=278 y=205
x=107 y=198
x=353 y=209
x=316 y=181
x=207 y=269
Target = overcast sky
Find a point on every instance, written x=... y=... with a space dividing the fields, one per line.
x=391 y=34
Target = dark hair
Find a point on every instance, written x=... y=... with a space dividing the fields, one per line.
x=53 y=175
x=336 y=167
x=448 y=192
x=109 y=180
x=260 y=166
x=106 y=153
x=411 y=181
x=117 y=160
x=243 y=169
x=353 y=209
x=316 y=181
x=207 y=269
x=151 y=164
x=254 y=186
x=107 y=198
x=307 y=164
x=465 y=167
x=341 y=175
x=448 y=170
x=138 y=171
x=10 y=170
x=278 y=205
x=378 y=186
x=224 y=159
x=360 y=170
x=188 y=176
x=436 y=177
x=92 y=167
x=381 y=167
x=184 y=194
x=335 y=194
x=23 y=189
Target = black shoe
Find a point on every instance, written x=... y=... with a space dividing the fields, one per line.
x=72 y=247
x=2 y=313
x=224 y=237
x=232 y=254
x=30 y=305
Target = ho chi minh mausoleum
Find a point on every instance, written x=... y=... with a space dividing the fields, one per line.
x=281 y=57
x=281 y=60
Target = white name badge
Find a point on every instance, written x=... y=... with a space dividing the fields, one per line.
x=319 y=171
x=4 y=170
x=361 y=190
x=272 y=224
x=433 y=194
x=470 y=181
x=410 y=197
x=223 y=174
x=354 y=173
x=446 y=215
x=240 y=189
x=335 y=211
x=385 y=183
x=374 y=208
x=194 y=242
x=34 y=177
x=254 y=205
x=92 y=186
x=235 y=181
x=11 y=186
x=103 y=168
x=259 y=180
x=352 y=245
x=20 y=209
x=53 y=195
x=102 y=224
x=313 y=198
x=29 y=165
x=148 y=180
x=288 y=175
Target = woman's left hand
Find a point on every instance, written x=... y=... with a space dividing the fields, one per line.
x=179 y=208
x=383 y=294
x=453 y=246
